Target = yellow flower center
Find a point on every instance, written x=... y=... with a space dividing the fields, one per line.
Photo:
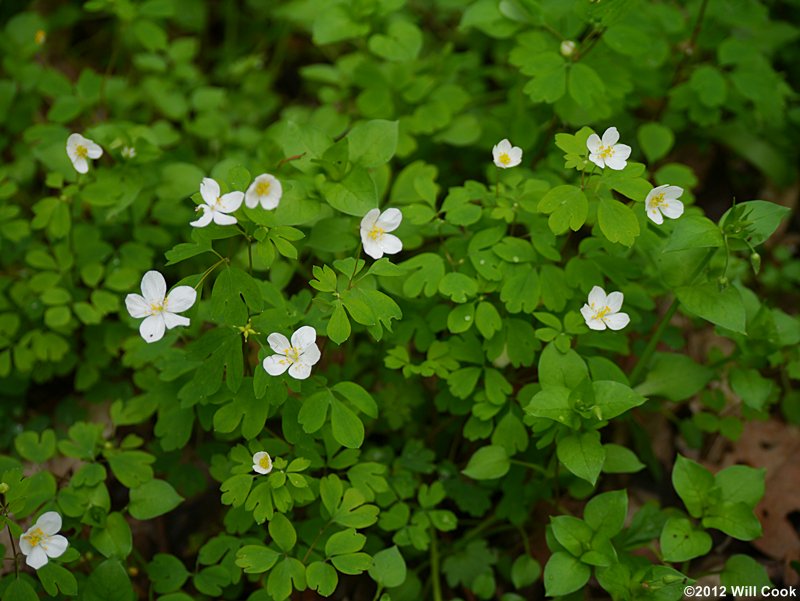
x=156 y=308
x=504 y=158
x=376 y=233
x=35 y=537
x=82 y=151
x=602 y=313
x=292 y=354
x=40 y=37
x=265 y=462
x=657 y=201
x=262 y=188
x=605 y=152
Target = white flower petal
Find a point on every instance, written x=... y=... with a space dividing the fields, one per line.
x=137 y=306
x=300 y=371
x=37 y=558
x=389 y=220
x=49 y=522
x=371 y=247
x=614 y=301
x=515 y=154
x=205 y=218
x=597 y=298
x=275 y=365
x=593 y=143
x=622 y=151
x=223 y=219
x=610 y=136
x=180 y=299
x=251 y=199
x=597 y=160
x=271 y=201
x=616 y=162
x=209 y=190
x=93 y=150
x=672 y=208
x=503 y=146
x=278 y=343
x=672 y=192
x=257 y=462
x=310 y=355
x=55 y=546
x=152 y=328
x=81 y=165
x=596 y=324
x=171 y=320
x=230 y=202
x=587 y=313
x=154 y=287
x=368 y=221
x=617 y=321
x=391 y=244
x=655 y=215
x=304 y=337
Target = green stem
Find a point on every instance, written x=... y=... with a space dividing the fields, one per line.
x=355 y=267
x=378 y=593
x=208 y=271
x=533 y=466
x=435 y=577
x=315 y=541
x=13 y=550
x=644 y=359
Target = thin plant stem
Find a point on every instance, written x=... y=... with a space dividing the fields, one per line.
x=355 y=267
x=532 y=466
x=378 y=593
x=315 y=541
x=435 y=576
x=644 y=359
x=13 y=550
x=208 y=271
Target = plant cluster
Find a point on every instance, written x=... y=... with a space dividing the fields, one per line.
x=388 y=300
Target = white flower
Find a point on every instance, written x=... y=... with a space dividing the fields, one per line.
x=606 y=152
x=374 y=226
x=567 y=48
x=603 y=311
x=42 y=540
x=262 y=462
x=266 y=190
x=79 y=149
x=297 y=356
x=505 y=155
x=215 y=207
x=158 y=309
x=128 y=152
x=663 y=202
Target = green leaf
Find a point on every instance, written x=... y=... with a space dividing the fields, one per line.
x=561 y=369
x=344 y=542
x=680 y=541
x=743 y=570
x=108 y=582
x=402 y=44
x=554 y=403
x=355 y=195
x=572 y=533
x=753 y=388
x=322 y=578
x=564 y=574
x=656 y=140
x=338 y=328
x=388 y=568
x=131 y=468
x=488 y=463
x=458 y=287
x=167 y=573
x=353 y=563
x=605 y=513
x=525 y=571
x=115 y=541
x=694 y=231
x=761 y=219
x=734 y=519
x=521 y=290
x=617 y=221
x=721 y=307
x=56 y=578
x=567 y=207
x=348 y=430
x=373 y=143
x=741 y=484
x=693 y=483
x=20 y=590
x=153 y=499
x=585 y=86
x=282 y=532
x=620 y=460
x=36 y=447
x=661 y=380
x=582 y=454
x=613 y=398
x=257 y=559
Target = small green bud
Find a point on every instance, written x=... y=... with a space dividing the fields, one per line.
x=722 y=282
x=755 y=262
x=3 y=488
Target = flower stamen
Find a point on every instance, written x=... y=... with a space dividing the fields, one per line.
x=82 y=151
x=262 y=188
x=376 y=233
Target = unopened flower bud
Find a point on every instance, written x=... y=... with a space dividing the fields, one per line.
x=755 y=262
x=567 y=48
x=3 y=488
x=722 y=282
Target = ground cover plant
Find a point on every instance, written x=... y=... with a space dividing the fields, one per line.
x=398 y=300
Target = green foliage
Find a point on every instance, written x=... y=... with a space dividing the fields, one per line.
x=461 y=392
